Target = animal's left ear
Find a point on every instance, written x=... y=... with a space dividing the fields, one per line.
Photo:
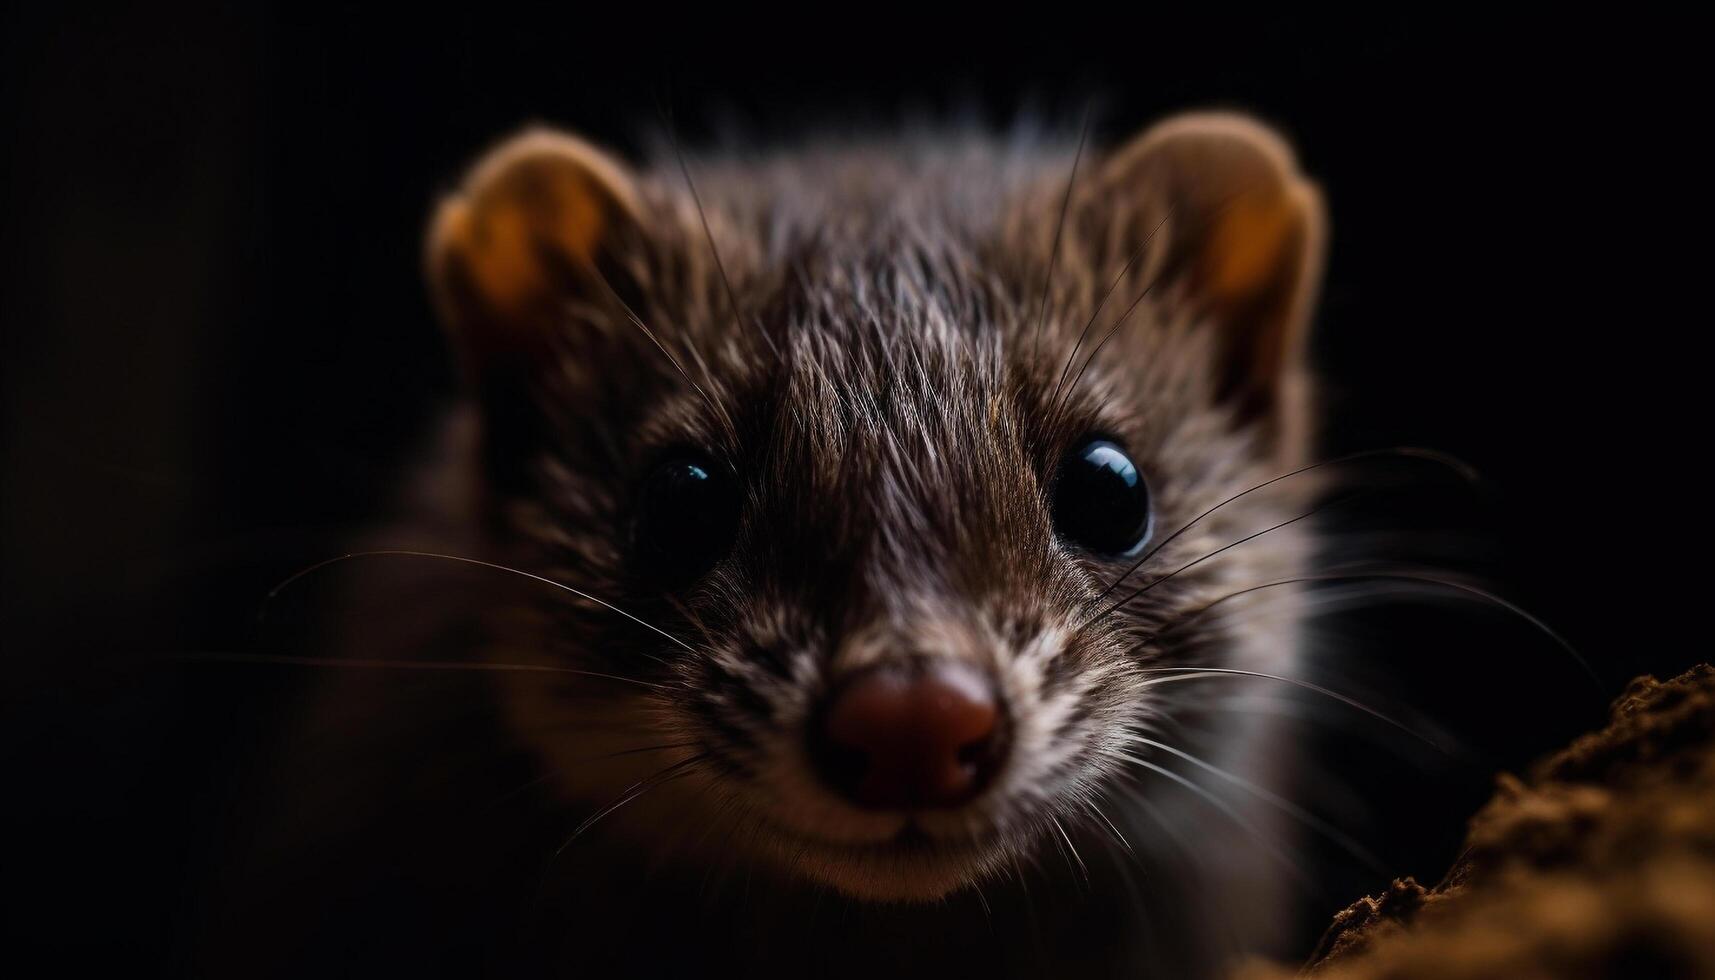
x=529 y=261
x=523 y=245
x=1242 y=231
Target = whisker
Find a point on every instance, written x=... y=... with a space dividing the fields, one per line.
x=1311 y=820
x=1094 y=808
x=1227 y=547
x=1131 y=868
x=1059 y=231
x=1053 y=403
x=640 y=750
x=716 y=410
x=681 y=768
x=1118 y=324
x=561 y=770
x=1307 y=712
x=983 y=902
x=708 y=233
x=1193 y=673
x=267 y=600
x=695 y=620
x=1141 y=805
x=1203 y=793
x=1404 y=452
x=1457 y=586
x=1082 y=867
x=286 y=661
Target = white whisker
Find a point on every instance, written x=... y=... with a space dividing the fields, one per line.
x=276 y=590
x=286 y=661
x=1285 y=805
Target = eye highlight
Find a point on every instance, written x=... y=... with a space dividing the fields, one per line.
x=686 y=517
x=1101 y=502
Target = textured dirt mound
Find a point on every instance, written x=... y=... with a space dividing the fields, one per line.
x=1600 y=863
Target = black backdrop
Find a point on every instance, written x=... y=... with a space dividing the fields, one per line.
x=218 y=351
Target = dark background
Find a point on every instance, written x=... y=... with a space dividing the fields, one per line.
x=218 y=351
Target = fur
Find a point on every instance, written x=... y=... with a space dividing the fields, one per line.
x=891 y=345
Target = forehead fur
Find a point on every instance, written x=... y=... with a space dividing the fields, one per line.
x=919 y=268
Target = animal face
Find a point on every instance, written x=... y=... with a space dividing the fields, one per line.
x=891 y=455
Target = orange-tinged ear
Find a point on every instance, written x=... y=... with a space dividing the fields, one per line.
x=1244 y=231
x=523 y=239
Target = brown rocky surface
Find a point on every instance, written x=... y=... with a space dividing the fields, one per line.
x=1599 y=862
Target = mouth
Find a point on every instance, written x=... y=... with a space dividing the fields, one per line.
x=909 y=865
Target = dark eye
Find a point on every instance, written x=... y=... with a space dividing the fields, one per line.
x=687 y=514
x=1100 y=500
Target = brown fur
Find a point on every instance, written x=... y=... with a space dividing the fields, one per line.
x=893 y=388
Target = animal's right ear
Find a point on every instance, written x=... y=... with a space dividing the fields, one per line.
x=1243 y=230
x=529 y=239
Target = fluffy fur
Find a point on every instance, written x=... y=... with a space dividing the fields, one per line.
x=891 y=346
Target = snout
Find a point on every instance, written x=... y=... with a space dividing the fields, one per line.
x=915 y=736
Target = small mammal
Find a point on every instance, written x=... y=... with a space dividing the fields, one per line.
x=866 y=474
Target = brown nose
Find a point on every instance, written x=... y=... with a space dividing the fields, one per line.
x=911 y=737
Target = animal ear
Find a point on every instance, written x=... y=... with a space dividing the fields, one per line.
x=1242 y=231
x=530 y=235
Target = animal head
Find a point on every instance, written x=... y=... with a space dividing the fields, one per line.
x=881 y=449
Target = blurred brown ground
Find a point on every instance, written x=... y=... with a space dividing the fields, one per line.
x=1600 y=862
